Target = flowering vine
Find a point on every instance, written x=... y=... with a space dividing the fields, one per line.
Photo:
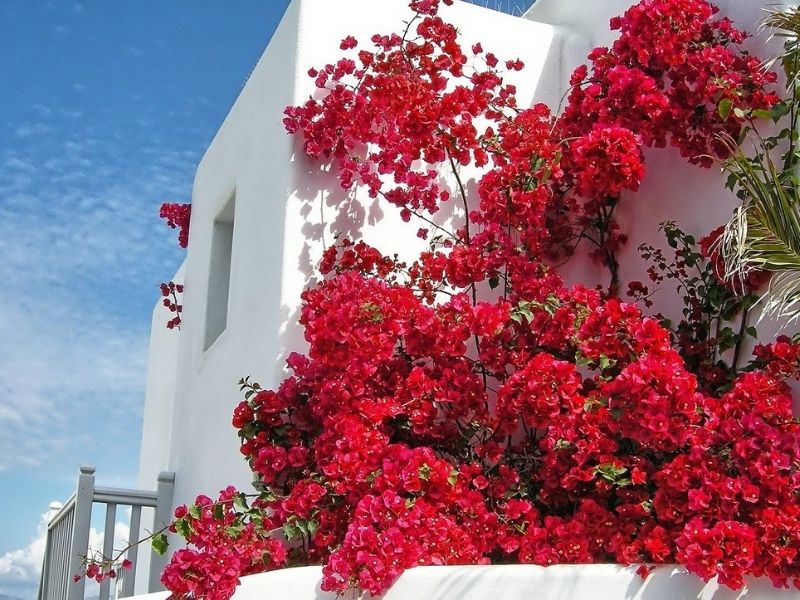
x=431 y=423
x=169 y=294
x=178 y=217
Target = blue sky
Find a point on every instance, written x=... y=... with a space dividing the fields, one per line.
x=108 y=107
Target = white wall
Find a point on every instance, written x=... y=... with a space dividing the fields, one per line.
x=286 y=209
x=513 y=582
x=285 y=212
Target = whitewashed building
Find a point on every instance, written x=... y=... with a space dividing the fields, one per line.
x=262 y=214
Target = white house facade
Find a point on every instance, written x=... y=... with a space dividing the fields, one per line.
x=262 y=214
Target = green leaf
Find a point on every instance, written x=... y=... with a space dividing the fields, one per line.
x=762 y=114
x=724 y=107
x=218 y=511
x=780 y=110
x=453 y=477
x=290 y=531
x=594 y=402
x=240 y=501
x=562 y=445
x=234 y=530
x=606 y=362
x=160 y=543
x=312 y=526
x=424 y=472
x=302 y=526
x=611 y=472
x=183 y=528
x=194 y=511
x=268 y=496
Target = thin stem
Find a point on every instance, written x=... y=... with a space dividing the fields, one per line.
x=610 y=255
x=742 y=328
x=790 y=157
x=425 y=219
x=463 y=193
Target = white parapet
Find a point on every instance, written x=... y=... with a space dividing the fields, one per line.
x=512 y=582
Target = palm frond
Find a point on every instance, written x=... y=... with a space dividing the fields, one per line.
x=784 y=22
x=782 y=300
x=764 y=233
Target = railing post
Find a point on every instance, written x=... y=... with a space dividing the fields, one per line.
x=44 y=577
x=162 y=517
x=79 y=545
x=129 y=577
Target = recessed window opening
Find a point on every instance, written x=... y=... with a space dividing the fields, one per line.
x=219 y=275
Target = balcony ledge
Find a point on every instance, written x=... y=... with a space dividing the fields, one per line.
x=512 y=582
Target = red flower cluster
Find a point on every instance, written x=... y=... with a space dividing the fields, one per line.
x=101 y=568
x=391 y=108
x=229 y=541
x=676 y=73
x=547 y=425
x=169 y=293
x=177 y=216
x=385 y=446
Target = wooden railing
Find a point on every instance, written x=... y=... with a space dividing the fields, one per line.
x=68 y=537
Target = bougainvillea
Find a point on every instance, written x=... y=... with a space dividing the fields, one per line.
x=231 y=538
x=177 y=217
x=427 y=424
x=169 y=298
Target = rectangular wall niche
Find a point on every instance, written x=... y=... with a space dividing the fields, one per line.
x=219 y=275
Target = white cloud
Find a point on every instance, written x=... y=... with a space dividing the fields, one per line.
x=20 y=569
x=12 y=162
x=79 y=236
x=26 y=131
x=59 y=380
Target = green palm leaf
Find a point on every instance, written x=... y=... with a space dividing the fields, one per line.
x=764 y=233
x=785 y=23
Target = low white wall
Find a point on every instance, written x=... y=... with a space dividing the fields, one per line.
x=512 y=582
